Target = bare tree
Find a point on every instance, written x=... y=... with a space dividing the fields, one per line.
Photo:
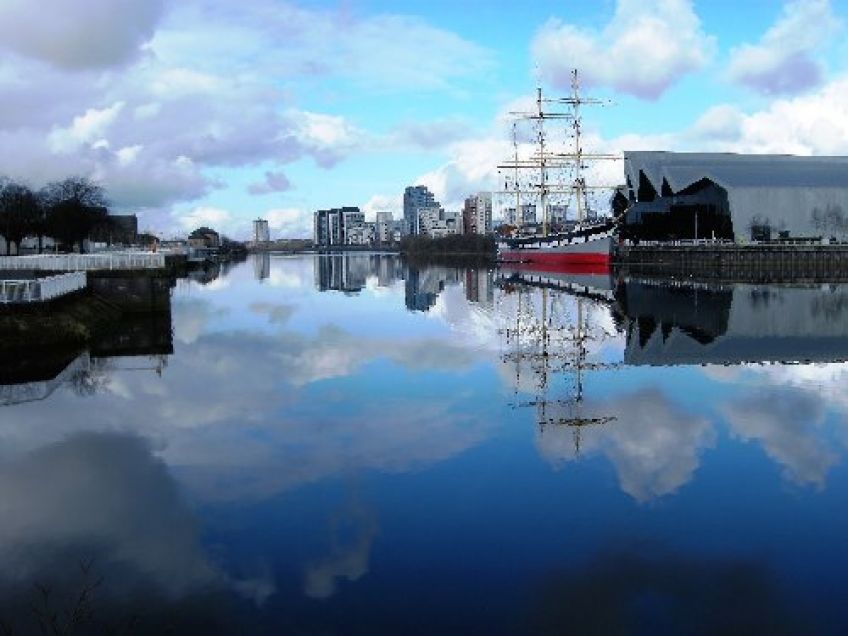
x=74 y=207
x=18 y=210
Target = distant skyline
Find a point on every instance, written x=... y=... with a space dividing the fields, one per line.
x=209 y=113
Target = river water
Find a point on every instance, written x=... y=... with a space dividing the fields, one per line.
x=350 y=445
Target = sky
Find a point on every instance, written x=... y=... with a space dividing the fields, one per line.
x=203 y=112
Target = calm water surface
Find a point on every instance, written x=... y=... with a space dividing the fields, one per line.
x=335 y=445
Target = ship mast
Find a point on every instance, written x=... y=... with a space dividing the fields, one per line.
x=579 y=183
x=543 y=186
x=544 y=160
x=519 y=217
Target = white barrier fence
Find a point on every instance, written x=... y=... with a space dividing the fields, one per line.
x=84 y=262
x=41 y=289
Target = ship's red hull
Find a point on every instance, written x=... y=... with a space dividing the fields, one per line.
x=559 y=268
x=545 y=257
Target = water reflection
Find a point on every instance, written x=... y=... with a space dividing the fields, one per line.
x=699 y=324
x=313 y=456
x=654 y=442
x=352 y=531
x=98 y=514
x=262 y=266
x=349 y=273
x=633 y=592
x=145 y=340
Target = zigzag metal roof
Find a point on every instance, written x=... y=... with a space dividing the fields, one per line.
x=729 y=170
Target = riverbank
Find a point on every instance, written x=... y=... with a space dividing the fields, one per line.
x=79 y=319
x=470 y=247
x=731 y=262
x=70 y=321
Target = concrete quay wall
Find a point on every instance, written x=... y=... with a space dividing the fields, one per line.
x=755 y=263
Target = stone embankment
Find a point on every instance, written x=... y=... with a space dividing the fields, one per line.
x=730 y=262
x=118 y=285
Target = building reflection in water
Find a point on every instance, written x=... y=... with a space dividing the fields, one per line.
x=669 y=322
x=350 y=272
x=138 y=342
x=423 y=285
x=345 y=272
x=561 y=369
x=713 y=324
x=261 y=265
x=112 y=489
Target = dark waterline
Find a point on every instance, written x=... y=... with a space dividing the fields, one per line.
x=347 y=444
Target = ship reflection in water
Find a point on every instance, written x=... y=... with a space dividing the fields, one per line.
x=786 y=344
x=351 y=443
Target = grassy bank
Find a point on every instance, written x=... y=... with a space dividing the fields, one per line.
x=65 y=322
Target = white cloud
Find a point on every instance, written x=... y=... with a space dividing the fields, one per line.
x=208 y=216
x=383 y=203
x=328 y=137
x=86 y=128
x=429 y=135
x=273 y=182
x=378 y=52
x=653 y=443
x=177 y=82
x=781 y=62
x=350 y=553
x=290 y=222
x=128 y=154
x=472 y=168
x=811 y=124
x=786 y=422
x=201 y=85
x=646 y=47
x=79 y=34
x=722 y=122
x=110 y=497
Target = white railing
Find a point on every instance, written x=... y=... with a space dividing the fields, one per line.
x=679 y=243
x=41 y=289
x=84 y=262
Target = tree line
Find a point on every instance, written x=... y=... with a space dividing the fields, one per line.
x=453 y=244
x=66 y=210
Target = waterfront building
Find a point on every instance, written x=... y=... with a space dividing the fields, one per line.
x=435 y=222
x=557 y=213
x=115 y=228
x=735 y=197
x=415 y=198
x=329 y=225
x=528 y=215
x=477 y=214
x=261 y=231
x=360 y=233
x=383 y=229
x=353 y=223
x=204 y=237
x=397 y=230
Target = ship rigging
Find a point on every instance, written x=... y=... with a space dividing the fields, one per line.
x=590 y=239
x=550 y=341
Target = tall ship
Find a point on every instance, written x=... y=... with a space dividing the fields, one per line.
x=587 y=242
